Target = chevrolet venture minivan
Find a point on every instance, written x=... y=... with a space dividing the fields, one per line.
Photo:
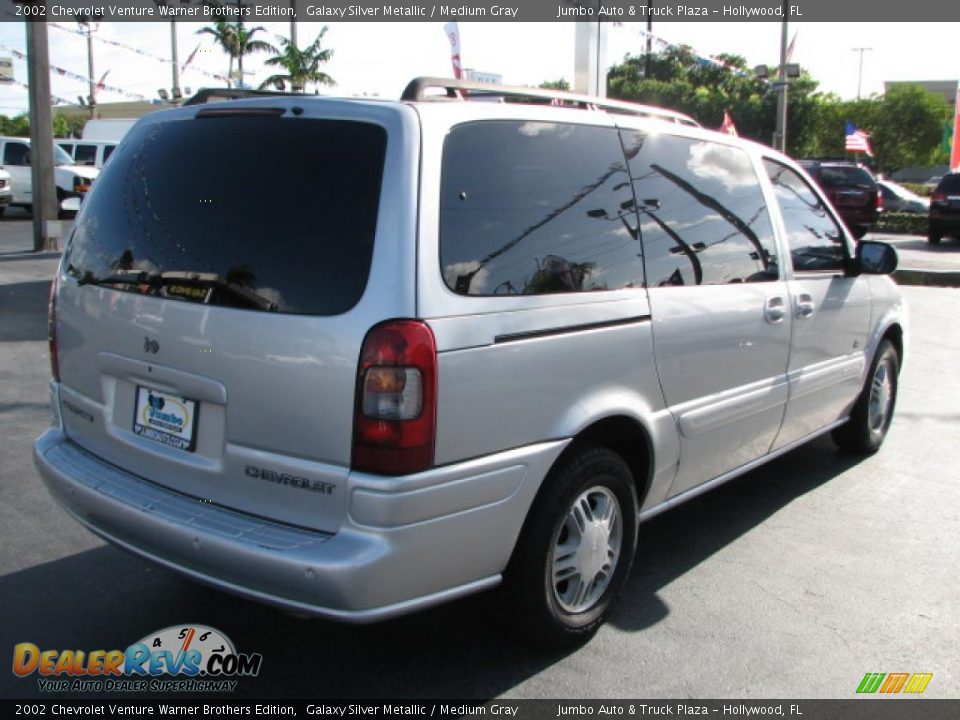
x=445 y=343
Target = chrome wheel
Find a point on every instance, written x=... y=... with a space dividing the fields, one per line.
x=586 y=549
x=881 y=395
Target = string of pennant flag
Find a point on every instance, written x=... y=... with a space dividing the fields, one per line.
x=143 y=53
x=63 y=72
x=57 y=100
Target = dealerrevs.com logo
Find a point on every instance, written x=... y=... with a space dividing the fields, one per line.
x=180 y=658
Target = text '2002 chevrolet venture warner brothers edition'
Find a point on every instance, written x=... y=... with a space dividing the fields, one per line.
x=449 y=343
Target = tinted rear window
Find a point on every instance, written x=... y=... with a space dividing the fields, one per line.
x=255 y=212
x=950 y=184
x=843 y=175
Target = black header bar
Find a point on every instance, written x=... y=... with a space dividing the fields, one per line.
x=484 y=10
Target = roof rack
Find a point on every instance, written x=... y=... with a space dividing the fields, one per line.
x=416 y=91
x=209 y=95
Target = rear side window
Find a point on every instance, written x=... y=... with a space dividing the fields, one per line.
x=256 y=212
x=85 y=155
x=16 y=154
x=108 y=151
x=528 y=208
x=703 y=217
x=815 y=239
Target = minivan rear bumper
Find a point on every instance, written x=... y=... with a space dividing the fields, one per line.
x=408 y=543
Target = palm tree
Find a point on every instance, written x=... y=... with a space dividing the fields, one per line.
x=302 y=65
x=237 y=40
x=245 y=44
x=224 y=33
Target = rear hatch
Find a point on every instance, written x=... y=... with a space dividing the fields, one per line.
x=216 y=290
x=850 y=188
x=946 y=197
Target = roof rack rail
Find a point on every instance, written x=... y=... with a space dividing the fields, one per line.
x=416 y=91
x=208 y=95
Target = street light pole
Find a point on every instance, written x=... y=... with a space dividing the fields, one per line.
x=176 y=62
x=860 y=50
x=780 y=135
x=293 y=24
x=646 y=72
x=93 y=80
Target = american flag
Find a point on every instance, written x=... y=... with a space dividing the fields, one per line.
x=857 y=140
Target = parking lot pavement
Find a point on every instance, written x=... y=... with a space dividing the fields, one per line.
x=791 y=581
x=919 y=257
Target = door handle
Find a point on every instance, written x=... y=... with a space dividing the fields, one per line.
x=804 y=305
x=775 y=310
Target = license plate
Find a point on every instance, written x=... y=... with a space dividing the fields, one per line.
x=165 y=418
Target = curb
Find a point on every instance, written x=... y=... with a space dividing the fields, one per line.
x=927 y=278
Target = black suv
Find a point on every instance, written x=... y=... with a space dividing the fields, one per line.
x=945 y=209
x=852 y=190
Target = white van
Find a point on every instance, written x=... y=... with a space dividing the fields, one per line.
x=88 y=153
x=72 y=181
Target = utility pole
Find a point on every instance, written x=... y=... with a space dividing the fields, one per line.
x=860 y=50
x=41 y=136
x=780 y=135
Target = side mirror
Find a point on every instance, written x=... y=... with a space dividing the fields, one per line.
x=876 y=258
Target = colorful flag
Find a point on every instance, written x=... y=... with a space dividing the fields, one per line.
x=857 y=140
x=791 y=46
x=955 y=150
x=453 y=35
x=728 y=127
x=100 y=85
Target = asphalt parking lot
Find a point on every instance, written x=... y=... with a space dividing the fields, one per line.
x=791 y=581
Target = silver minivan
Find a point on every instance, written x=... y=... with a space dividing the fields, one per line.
x=445 y=344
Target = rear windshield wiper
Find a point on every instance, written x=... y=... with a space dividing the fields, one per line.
x=137 y=278
x=202 y=281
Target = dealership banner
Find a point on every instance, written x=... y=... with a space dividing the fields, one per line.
x=496 y=709
x=482 y=10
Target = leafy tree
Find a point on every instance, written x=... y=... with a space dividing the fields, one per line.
x=301 y=65
x=561 y=84
x=704 y=90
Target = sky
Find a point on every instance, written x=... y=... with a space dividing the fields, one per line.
x=380 y=58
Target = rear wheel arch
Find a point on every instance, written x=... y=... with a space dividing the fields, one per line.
x=621 y=434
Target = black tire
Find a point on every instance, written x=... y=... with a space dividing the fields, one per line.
x=865 y=431
x=3 y=209
x=934 y=238
x=588 y=477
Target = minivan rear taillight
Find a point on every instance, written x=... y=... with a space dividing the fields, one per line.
x=395 y=414
x=938 y=196
x=879 y=201
x=52 y=329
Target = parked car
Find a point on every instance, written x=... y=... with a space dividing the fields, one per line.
x=461 y=343
x=72 y=181
x=944 y=218
x=5 y=194
x=852 y=190
x=88 y=153
x=898 y=199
